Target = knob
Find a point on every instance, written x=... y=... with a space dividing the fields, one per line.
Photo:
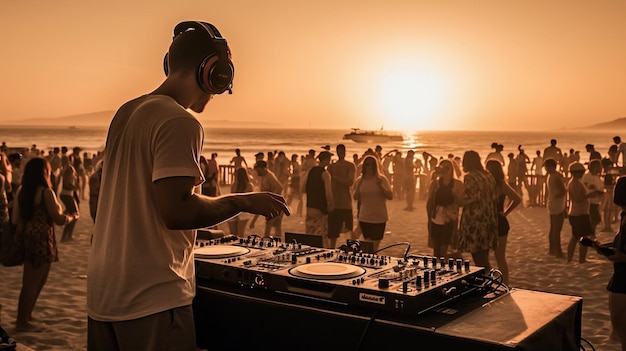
x=383 y=283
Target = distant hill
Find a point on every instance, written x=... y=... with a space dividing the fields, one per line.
x=93 y=119
x=103 y=119
x=617 y=124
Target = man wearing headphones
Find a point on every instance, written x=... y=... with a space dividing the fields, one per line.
x=140 y=278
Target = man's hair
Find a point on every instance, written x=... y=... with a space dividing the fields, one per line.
x=471 y=161
x=187 y=51
x=550 y=163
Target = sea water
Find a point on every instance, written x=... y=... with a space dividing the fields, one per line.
x=224 y=141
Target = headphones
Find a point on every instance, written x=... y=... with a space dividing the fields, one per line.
x=216 y=71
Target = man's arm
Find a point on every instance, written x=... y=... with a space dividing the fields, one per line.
x=181 y=208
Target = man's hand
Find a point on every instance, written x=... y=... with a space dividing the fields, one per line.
x=266 y=204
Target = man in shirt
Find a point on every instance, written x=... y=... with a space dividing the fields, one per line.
x=342 y=176
x=140 y=274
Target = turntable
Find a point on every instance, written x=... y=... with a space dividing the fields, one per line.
x=401 y=285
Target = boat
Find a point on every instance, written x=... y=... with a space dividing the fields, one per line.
x=372 y=136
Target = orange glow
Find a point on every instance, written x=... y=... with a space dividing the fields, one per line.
x=404 y=65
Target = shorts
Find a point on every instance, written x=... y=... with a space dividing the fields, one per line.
x=441 y=234
x=581 y=225
x=167 y=330
x=339 y=220
x=372 y=231
x=316 y=224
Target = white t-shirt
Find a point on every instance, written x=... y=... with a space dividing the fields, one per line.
x=137 y=266
x=593 y=183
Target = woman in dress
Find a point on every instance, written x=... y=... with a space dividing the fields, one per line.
x=508 y=195
x=478 y=229
x=372 y=190
x=241 y=184
x=35 y=212
x=445 y=196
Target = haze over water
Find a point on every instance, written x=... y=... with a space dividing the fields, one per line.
x=225 y=140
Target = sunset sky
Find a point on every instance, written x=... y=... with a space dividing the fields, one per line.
x=405 y=65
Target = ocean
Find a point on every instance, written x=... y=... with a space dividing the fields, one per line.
x=224 y=141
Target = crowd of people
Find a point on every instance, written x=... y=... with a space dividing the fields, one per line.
x=458 y=191
x=467 y=198
x=150 y=217
x=37 y=192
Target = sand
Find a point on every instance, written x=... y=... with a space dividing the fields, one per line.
x=61 y=307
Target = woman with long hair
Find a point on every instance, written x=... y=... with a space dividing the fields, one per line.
x=241 y=184
x=445 y=197
x=478 y=228
x=35 y=212
x=508 y=195
x=372 y=190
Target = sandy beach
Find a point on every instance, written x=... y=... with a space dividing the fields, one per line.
x=61 y=308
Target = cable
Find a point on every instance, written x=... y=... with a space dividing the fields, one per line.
x=406 y=252
x=588 y=343
x=367 y=326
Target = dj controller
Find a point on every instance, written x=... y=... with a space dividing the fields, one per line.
x=409 y=285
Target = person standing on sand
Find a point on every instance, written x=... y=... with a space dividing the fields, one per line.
x=294 y=184
x=372 y=190
x=409 y=180
x=319 y=198
x=238 y=160
x=594 y=185
x=241 y=184
x=281 y=170
x=342 y=176
x=617 y=285
x=554 y=152
x=556 y=203
x=478 y=228
x=69 y=195
x=578 y=214
x=398 y=175
x=140 y=270
x=508 y=195
x=536 y=168
x=496 y=154
x=35 y=212
x=57 y=166
x=445 y=198
x=269 y=183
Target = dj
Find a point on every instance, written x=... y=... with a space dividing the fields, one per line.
x=140 y=281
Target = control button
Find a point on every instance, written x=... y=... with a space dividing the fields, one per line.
x=383 y=283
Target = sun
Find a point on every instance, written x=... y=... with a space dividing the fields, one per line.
x=410 y=99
